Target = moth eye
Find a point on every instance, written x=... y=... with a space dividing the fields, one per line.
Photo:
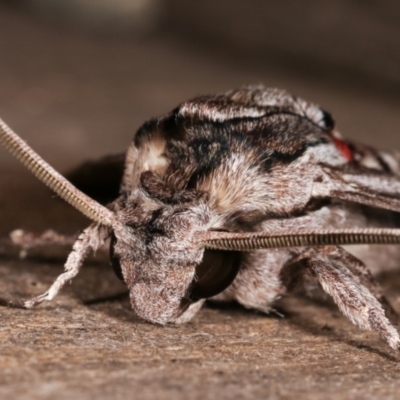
x=328 y=120
x=215 y=273
x=114 y=260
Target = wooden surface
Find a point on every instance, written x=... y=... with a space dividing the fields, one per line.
x=88 y=344
x=73 y=96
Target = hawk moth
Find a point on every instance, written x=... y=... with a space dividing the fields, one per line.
x=235 y=196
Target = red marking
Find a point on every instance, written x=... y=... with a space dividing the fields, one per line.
x=344 y=148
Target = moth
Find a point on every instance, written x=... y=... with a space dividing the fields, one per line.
x=237 y=196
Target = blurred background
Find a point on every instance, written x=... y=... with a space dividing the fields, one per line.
x=77 y=78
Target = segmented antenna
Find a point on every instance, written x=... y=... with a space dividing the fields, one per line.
x=50 y=177
x=263 y=240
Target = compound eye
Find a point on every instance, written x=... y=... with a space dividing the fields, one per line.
x=215 y=273
x=114 y=260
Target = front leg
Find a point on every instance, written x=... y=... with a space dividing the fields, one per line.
x=90 y=239
x=350 y=291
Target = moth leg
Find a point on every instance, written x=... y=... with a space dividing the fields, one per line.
x=39 y=244
x=90 y=239
x=27 y=239
x=365 y=278
x=354 y=299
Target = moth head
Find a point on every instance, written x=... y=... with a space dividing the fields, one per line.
x=159 y=255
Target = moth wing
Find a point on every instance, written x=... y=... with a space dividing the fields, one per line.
x=100 y=179
x=361 y=185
